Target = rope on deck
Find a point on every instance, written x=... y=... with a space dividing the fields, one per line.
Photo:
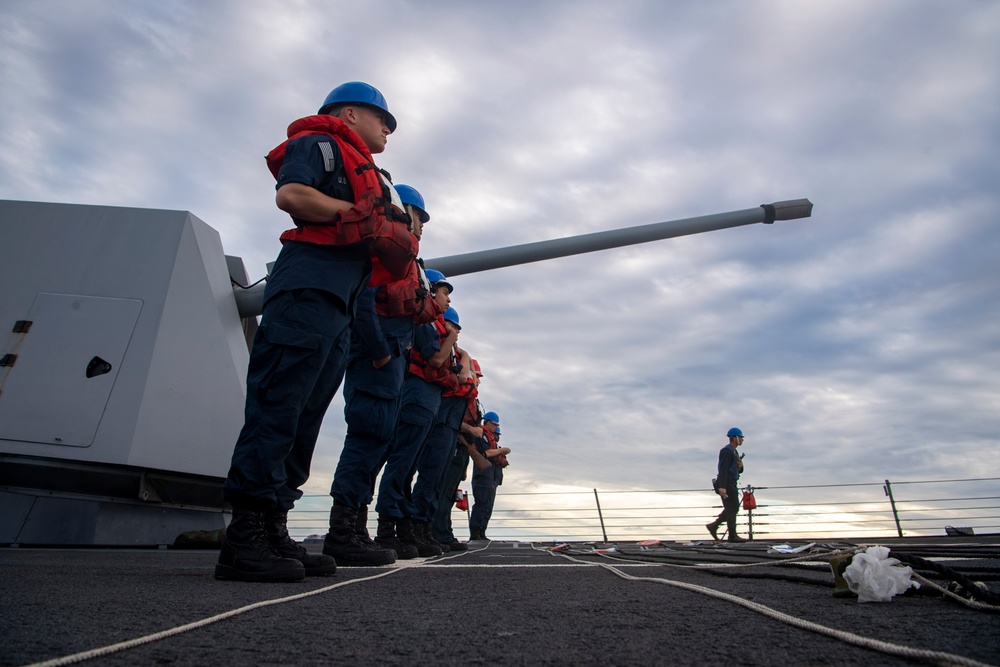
x=157 y=636
x=148 y=639
x=939 y=657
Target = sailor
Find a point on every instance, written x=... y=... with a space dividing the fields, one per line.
x=730 y=467
x=433 y=368
x=380 y=342
x=485 y=481
x=471 y=432
x=343 y=212
x=439 y=449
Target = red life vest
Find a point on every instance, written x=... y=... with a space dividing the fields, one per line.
x=403 y=297
x=465 y=389
x=442 y=375
x=473 y=413
x=373 y=219
x=473 y=417
x=500 y=461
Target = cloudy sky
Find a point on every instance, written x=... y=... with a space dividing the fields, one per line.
x=858 y=345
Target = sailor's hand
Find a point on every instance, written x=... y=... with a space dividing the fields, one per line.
x=379 y=363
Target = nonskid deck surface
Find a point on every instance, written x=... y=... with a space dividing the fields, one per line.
x=498 y=603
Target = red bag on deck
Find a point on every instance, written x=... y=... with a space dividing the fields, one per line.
x=749 y=502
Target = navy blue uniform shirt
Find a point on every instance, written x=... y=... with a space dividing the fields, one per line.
x=426 y=340
x=729 y=470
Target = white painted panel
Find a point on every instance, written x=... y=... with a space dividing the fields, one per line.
x=46 y=396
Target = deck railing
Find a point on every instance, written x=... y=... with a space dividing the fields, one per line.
x=856 y=511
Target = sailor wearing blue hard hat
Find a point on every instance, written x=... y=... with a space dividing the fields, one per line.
x=730 y=467
x=438 y=279
x=362 y=94
x=299 y=358
x=485 y=481
x=381 y=339
x=403 y=515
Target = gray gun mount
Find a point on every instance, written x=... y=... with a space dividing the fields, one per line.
x=123 y=374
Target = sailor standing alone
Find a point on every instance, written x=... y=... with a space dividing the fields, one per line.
x=730 y=467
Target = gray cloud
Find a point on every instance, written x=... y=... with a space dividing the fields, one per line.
x=851 y=347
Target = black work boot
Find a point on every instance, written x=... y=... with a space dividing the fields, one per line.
x=450 y=541
x=455 y=545
x=408 y=533
x=247 y=554
x=474 y=534
x=713 y=530
x=316 y=565
x=347 y=547
x=386 y=538
x=425 y=532
x=361 y=526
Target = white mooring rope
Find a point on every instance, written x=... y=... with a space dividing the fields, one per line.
x=939 y=657
x=148 y=639
x=857 y=640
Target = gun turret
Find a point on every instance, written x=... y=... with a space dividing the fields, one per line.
x=130 y=366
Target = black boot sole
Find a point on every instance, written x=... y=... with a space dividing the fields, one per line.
x=315 y=565
x=428 y=550
x=372 y=558
x=403 y=551
x=278 y=574
x=322 y=570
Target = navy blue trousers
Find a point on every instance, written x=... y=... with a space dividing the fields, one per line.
x=484 y=492
x=298 y=360
x=371 y=427
x=434 y=458
x=730 y=509
x=453 y=476
x=419 y=404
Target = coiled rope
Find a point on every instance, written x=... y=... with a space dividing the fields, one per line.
x=940 y=657
x=991 y=600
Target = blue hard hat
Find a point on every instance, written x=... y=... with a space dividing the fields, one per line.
x=437 y=278
x=451 y=315
x=411 y=197
x=492 y=417
x=358 y=92
x=735 y=431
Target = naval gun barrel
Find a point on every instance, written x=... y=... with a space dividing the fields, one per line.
x=484 y=260
x=250 y=302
